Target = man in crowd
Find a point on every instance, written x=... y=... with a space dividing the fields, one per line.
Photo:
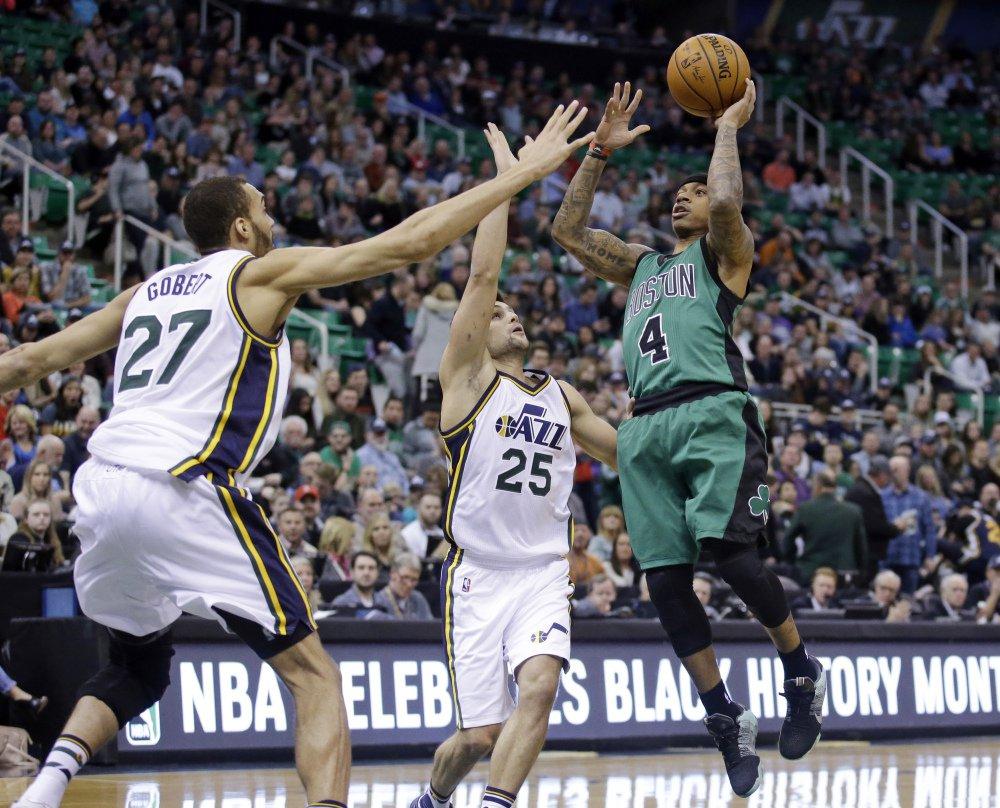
x=377 y=452
x=866 y=493
x=822 y=591
x=703 y=585
x=949 y=603
x=885 y=592
x=422 y=439
x=399 y=599
x=370 y=502
x=583 y=566
x=75 y=444
x=308 y=501
x=360 y=598
x=601 y=593
x=918 y=541
x=424 y=536
x=338 y=452
x=65 y=284
x=292 y=530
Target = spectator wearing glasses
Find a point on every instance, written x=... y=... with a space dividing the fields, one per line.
x=399 y=599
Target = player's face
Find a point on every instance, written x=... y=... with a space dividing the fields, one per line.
x=690 y=212
x=506 y=332
x=261 y=224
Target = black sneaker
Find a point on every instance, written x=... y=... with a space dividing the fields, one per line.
x=737 y=740
x=801 y=727
x=424 y=801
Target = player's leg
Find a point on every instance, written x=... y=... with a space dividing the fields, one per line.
x=137 y=674
x=475 y=604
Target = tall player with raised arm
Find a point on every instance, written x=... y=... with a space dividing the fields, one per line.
x=693 y=460
x=510 y=435
x=165 y=522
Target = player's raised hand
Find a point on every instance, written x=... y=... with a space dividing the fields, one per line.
x=552 y=146
x=739 y=113
x=612 y=131
x=502 y=155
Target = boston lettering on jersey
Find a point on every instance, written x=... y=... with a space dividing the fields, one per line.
x=531 y=426
x=180 y=284
x=675 y=281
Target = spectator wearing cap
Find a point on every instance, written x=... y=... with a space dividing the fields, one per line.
x=400 y=598
x=376 y=452
x=422 y=439
x=866 y=493
x=970 y=369
x=386 y=325
x=65 y=284
x=308 y=501
x=917 y=542
x=292 y=531
x=826 y=532
x=24 y=258
x=424 y=536
x=430 y=336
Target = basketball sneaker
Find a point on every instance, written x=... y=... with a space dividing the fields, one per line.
x=801 y=726
x=737 y=740
x=425 y=801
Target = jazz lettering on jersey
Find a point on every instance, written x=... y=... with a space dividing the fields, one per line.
x=180 y=284
x=532 y=427
x=675 y=281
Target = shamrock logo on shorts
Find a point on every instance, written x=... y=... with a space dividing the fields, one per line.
x=760 y=503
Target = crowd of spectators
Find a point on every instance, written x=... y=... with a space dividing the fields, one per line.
x=885 y=511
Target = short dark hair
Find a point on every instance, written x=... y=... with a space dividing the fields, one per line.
x=363 y=554
x=210 y=209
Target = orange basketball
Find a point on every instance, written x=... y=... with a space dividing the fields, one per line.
x=707 y=74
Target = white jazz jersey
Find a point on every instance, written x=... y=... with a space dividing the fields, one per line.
x=512 y=462
x=197 y=391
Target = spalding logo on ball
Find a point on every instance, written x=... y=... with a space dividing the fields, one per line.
x=707 y=74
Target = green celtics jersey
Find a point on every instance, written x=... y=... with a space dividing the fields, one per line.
x=678 y=324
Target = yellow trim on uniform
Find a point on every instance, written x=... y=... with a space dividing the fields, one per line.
x=235 y=309
x=530 y=391
x=449 y=633
x=265 y=417
x=258 y=561
x=283 y=556
x=220 y=426
x=475 y=410
x=456 y=476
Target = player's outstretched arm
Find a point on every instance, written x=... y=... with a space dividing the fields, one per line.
x=94 y=334
x=466 y=355
x=295 y=270
x=601 y=253
x=597 y=437
x=728 y=237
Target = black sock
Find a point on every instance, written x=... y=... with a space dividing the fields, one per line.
x=327 y=804
x=717 y=700
x=797 y=664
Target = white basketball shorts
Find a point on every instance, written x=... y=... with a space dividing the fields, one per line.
x=495 y=620
x=154 y=546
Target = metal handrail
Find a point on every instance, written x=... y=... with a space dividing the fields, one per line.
x=849 y=326
x=336 y=67
x=423 y=116
x=801 y=118
x=324 y=334
x=294 y=44
x=27 y=163
x=978 y=396
x=868 y=167
x=167 y=242
x=786 y=409
x=761 y=86
x=232 y=12
x=940 y=222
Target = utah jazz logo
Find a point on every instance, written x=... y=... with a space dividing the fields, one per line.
x=760 y=503
x=532 y=426
x=542 y=636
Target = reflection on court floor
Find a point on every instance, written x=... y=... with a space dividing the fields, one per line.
x=961 y=774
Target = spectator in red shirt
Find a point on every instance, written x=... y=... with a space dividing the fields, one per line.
x=779 y=175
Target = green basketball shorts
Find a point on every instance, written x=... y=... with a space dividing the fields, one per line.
x=693 y=471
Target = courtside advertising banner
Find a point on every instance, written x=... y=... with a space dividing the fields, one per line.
x=222 y=698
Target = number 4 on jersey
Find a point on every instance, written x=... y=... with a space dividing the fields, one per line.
x=652 y=342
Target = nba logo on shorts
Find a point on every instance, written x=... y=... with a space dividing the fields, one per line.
x=144 y=729
x=466 y=584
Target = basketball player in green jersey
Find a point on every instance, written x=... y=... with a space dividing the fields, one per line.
x=693 y=461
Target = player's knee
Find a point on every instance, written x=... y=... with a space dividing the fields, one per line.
x=536 y=690
x=306 y=668
x=671 y=591
x=741 y=567
x=136 y=676
x=478 y=742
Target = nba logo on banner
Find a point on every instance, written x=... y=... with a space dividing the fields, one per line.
x=144 y=729
x=143 y=795
x=466 y=584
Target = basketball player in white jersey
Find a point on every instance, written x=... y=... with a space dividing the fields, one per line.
x=505 y=586
x=166 y=524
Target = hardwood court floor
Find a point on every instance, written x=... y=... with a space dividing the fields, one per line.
x=964 y=773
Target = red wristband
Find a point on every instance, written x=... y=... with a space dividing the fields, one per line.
x=599 y=151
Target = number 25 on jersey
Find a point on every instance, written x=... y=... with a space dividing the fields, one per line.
x=653 y=342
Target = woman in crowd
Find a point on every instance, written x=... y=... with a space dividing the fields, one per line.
x=610 y=524
x=22 y=428
x=37 y=484
x=380 y=540
x=336 y=543
x=37 y=528
x=430 y=336
x=300 y=402
x=622 y=568
x=59 y=417
x=305 y=375
x=303 y=568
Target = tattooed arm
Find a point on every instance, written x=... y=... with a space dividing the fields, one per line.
x=602 y=253
x=728 y=237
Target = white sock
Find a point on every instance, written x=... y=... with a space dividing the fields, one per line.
x=437 y=800
x=68 y=756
